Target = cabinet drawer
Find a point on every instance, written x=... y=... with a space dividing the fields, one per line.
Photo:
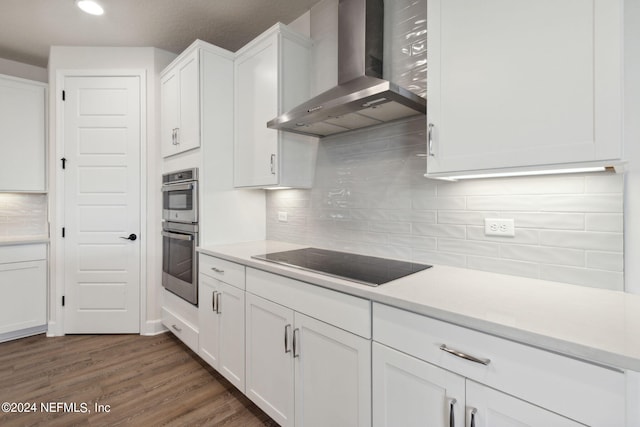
x=344 y=311
x=225 y=271
x=180 y=328
x=573 y=388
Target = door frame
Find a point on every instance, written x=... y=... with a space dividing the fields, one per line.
x=57 y=192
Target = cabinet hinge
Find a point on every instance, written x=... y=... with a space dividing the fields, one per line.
x=64 y=162
x=63 y=231
x=63 y=300
x=64 y=95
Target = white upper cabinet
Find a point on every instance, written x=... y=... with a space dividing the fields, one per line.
x=516 y=85
x=180 y=104
x=22 y=134
x=271 y=77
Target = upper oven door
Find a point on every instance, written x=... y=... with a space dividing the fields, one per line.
x=180 y=202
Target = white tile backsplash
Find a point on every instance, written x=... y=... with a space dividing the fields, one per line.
x=370 y=197
x=23 y=214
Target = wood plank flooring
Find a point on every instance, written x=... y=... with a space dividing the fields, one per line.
x=146 y=381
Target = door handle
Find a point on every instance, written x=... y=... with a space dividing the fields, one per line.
x=131 y=237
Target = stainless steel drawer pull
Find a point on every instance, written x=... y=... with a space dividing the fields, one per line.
x=217 y=270
x=452 y=419
x=430 y=140
x=218 y=302
x=465 y=356
x=176 y=328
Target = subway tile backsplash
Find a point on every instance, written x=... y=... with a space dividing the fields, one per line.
x=370 y=197
x=23 y=214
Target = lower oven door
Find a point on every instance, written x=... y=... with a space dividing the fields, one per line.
x=179 y=264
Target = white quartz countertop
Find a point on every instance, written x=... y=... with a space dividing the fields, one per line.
x=22 y=240
x=593 y=324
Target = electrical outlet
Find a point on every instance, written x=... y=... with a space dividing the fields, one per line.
x=499 y=227
x=282 y=217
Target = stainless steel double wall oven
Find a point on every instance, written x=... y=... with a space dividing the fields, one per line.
x=180 y=233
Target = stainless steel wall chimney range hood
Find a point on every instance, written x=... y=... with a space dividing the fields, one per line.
x=362 y=98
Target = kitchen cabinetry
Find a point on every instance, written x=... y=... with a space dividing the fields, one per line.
x=23 y=290
x=221 y=322
x=523 y=85
x=508 y=384
x=181 y=318
x=271 y=77
x=294 y=361
x=23 y=134
x=180 y=103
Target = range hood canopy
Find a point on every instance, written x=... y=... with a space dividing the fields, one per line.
x=362 y=98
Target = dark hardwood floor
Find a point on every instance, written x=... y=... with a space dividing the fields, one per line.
x=145 y=381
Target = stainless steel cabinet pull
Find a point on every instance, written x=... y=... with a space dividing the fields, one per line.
x=474 y=411
x=452 y=420
x=295 y=342
x=213 y=300
x=217 y=270
x=176 y=328
x=218 y=302
x=273 y=164
x=465 y=356
x=287 y=328
x=177 y=136
x=430 y=140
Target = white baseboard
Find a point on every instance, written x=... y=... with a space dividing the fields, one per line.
x=22 y=333
x=153 y=327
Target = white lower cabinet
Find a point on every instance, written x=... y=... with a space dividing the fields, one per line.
x=304 y=372
x=221 y=320
x=409 y=392
x=420 y=364
x=23 y=291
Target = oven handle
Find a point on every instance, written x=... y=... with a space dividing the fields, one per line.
x=177 y=236
x=178 y=187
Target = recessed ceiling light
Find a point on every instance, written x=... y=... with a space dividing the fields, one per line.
x=90 y=6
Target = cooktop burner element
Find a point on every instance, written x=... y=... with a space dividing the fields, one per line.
x=368 y=270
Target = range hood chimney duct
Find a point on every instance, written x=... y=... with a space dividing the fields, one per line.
x=362 y=98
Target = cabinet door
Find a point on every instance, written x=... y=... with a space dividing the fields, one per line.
x=409 y=392
x=256 y=102
x=491 y=408
x=169 y=87
x=333 y=375
x=269 y=360
x=22 y=135
x=523 y=84
x=23 y=295
x=230 y=306
x=208 y=320
x=188 y=134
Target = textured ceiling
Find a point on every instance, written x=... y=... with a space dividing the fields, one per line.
x=29 y=27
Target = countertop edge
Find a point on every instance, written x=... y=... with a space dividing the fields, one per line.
x=573 y=349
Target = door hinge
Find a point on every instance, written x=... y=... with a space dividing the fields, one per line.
x=64 y=95
x=63 y=231
x=63 y=300
x=64 y=162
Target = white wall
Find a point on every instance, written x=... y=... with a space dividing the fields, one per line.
x=25 y=71
x=152 y=61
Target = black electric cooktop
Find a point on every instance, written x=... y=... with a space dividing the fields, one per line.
x=368 y=270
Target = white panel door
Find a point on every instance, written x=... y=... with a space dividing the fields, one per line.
x=209 y=321
x=102 y=204
x=333 y=375
x=269 y=359
x=411 y=393
x=491 y=408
